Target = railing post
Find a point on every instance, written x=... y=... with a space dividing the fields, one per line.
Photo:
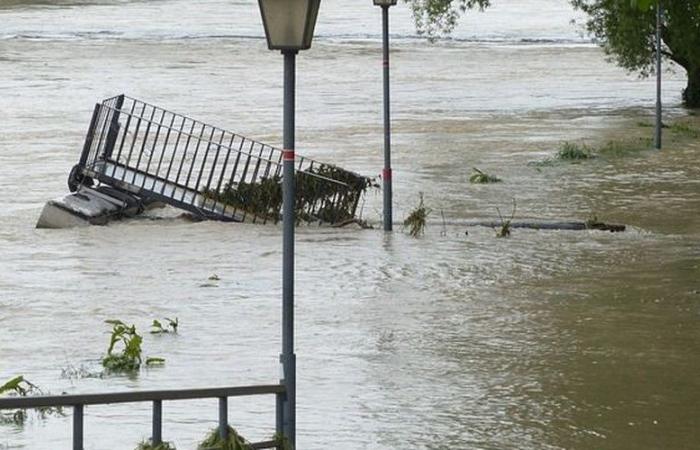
x=78 y=427
x=157 y=434
x=87 y=146
x=113 y=130
x=223 y=418
x=279 y=413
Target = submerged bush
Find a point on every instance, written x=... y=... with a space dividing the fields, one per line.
x=415 y=222
x=570 y=151
x=479 y=177
x=213 y=441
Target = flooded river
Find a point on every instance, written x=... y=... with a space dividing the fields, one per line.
x=545 y=340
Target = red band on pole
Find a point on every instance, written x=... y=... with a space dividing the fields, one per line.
x=386 y=174
x=288 y=155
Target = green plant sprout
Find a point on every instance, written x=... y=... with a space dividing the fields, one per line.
x=506 y=225
x=158 y=328
x=130 y=357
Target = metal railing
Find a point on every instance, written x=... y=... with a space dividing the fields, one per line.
x=157 y=154
x=79 y=402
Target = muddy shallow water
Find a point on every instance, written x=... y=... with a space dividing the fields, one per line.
x=545 y=340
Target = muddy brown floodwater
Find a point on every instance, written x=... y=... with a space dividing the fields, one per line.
x=546 y=340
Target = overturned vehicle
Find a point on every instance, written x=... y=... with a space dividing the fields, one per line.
x=136 y=155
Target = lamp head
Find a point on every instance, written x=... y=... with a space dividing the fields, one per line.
x=289 y=24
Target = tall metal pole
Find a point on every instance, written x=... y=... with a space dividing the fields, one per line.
x=386 y=173
x=288 y=358
x=659 y=124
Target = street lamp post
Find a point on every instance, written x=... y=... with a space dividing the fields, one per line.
x=289 y=27
x=659 y=124
x=386 y=173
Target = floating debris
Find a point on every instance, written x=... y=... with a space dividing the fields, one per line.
x=139 y=154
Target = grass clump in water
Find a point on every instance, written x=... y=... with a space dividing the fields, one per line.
x=130 y=357
x=415 y=222
x=624 y=148
x=570 y=151
x=479 y=177
x=213 y=441
x=148 y=445
x=685 y=129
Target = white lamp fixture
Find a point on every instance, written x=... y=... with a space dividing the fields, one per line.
x=289 y=24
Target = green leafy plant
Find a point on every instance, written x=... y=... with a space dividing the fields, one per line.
x=17 y=386
x=416 y=221
x=148 y=445
x=21 y=387
x=479 y=177
x=213 y=441
x=124 y=353
x=574 y=152
x=506 y=225
x=171 y=327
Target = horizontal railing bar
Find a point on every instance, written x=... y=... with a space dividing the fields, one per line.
x=47 y=401
x=250 y=154
x=265 y=444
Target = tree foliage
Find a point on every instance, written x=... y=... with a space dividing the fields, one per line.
x=626 y=30
x=439 y=17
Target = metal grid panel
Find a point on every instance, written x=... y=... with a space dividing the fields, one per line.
x=147 y=150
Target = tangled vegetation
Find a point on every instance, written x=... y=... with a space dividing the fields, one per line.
x=21 y=387
x=479 y=177
x=323 y=193
x=416 y=221
x=129 y=357
x=148 y=445
x=213 y=441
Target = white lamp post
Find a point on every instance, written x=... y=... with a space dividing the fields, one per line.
x=289 y=27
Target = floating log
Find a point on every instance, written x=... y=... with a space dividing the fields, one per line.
x=575 y=226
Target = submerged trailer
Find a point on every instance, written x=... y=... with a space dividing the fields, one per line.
x=136 y=154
